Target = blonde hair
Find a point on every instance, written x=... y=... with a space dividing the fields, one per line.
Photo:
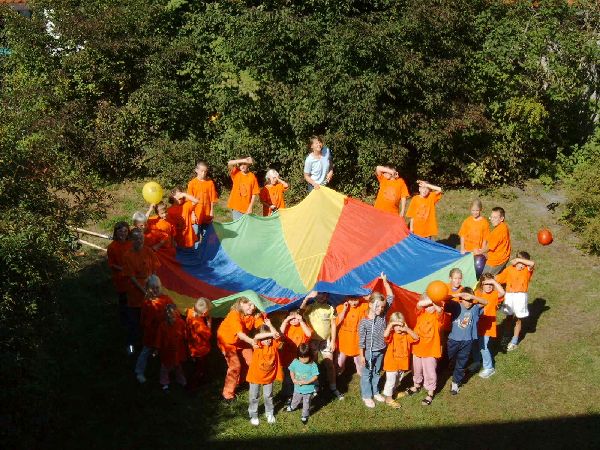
x=376 y=297
x=139 y=217
x=397 y=317
x=455 y=271
x=271 y=173
x=153 y=286
x=237 y=305
x=202 y=305
x=477 y=203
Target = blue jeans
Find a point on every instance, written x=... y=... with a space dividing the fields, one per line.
x=369 y=379
x=236 y=214
x=459 y=350
x=481 y=353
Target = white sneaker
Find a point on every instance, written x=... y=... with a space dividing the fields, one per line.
x=454 y=389
x=486 y=373
x=271 y=418
x=369 y=403
x=379 y=397
x=254 y=421
x=510 y=347
x=141 y=378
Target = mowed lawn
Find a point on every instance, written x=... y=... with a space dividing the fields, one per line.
x=543 y=394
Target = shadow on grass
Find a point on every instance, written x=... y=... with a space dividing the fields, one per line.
x=453 y=240
x=555 y=433
x=536 y=309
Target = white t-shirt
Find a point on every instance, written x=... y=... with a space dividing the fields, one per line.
x=318 y=168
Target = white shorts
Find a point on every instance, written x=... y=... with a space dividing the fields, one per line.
x=515 y=304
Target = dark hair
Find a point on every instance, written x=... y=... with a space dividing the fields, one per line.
x=174 y=191
x=264 y=329
x=314 y=137
x=468 y=290
x=118 y=226
x=523 y=255
x=500 y=210
x=304 y=351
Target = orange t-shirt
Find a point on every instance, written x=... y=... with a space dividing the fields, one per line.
x=170 y=342
x=272 y=194
x=474 y=232
x=516 y=280
x=390 y=193
x=422 y=211
x=265 y=367
x=233 y=323
x=347 y=333
x=487 y=321
x=180 y=216
x=292 y=338
x=428 y=328
x=140 y=265
x=244 y=187
x=206 y=194
x=152 y=315
x=499 y=245
x=159 y=230
x=115 y=252
x=197 y=333
x=397 y=354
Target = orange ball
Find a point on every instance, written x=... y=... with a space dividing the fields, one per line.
x=545 y=236
x=437 y=291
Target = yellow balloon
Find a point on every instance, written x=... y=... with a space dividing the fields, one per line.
x=152 y=192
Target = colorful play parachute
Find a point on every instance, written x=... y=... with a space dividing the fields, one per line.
x=328 y=242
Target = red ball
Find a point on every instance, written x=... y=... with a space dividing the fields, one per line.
x=545 y=236
x=437 y=291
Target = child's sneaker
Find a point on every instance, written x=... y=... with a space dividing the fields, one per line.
x=486 y=373
x=379 y=397
x=369 y=403
x=141 y=378
x=254 y=421
x=510 y=347
x=288 y=408
x=304 y=420
x=454 y=389
x=337 y=394
x=271 y=418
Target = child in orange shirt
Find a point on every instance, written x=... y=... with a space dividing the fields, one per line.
x=263 y=370
x=271 y=195
x=392 y=191
x=492 y=291
x=181 y=216
x=397 y=355
x=139 y=262
x=294 y=332
x=198 y=331
x=203 y=189
x=349 y=315
x=474 y=231
x=421 y=210
x=427 y=350
x=171 y=346
x=454 y=287
x=159 y=231
x=245 y=187
x=115 y=251
x=516 y=277
x=152 y=314
x=498 y=243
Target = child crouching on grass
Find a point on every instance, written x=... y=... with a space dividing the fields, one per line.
x=399 y=338
x=264 y=369
x=305 y=374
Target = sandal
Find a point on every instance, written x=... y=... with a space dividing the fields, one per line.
x=427 y=400
x=410 y=391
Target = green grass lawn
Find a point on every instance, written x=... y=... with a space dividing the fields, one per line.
x=545 y=393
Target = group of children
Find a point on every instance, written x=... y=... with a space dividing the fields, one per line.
x=257 y=352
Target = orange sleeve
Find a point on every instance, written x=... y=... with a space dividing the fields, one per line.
x=502 y=277
x=464 y=228
x=410 y=212
x=437 y=196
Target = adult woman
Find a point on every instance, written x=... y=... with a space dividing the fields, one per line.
x=318 y=165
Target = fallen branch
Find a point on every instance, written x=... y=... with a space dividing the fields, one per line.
x=91 y=233
x=81 y=241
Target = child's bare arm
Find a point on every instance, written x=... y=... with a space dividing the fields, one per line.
x=191 y=198
x=234 y=162
x=411 y=332
x=244 y=337
x=386 y=285
x=283 y=183
x=268 y=323
x=402 y=206
x=150 y=210
x=285 y=324
x=309 y=180
x=309 y=296
x=305 y=327
x=433 y=187
x=462 y=245
x=388 y=329
x=528 y=262
x=380 y=170
x=270 y=334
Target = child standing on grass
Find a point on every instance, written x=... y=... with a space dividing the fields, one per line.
x=421 y=210
x=263 y=370
x=198 y=331
x=392 y=193
x=271 y=195
x=245 y=188
x=152 y=314
x=181 y=215
x=427 y=350
x=465 y=316
x=305 y=374
x=171 y=347
x=371 y=343
x=203 y=189
x=492 y=291
x=399 y=339
x=349 y=315
x=474 y=231
x=115 y=251
x=516 y=277
x=498 y=243
x=294 y=332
